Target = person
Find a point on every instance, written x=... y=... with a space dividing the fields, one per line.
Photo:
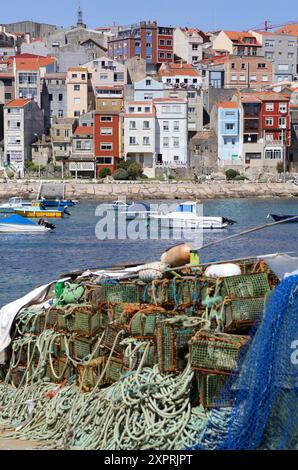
x=41 y=221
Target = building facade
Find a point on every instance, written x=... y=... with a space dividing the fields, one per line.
x=81 y=160
x=228 y=132
x=107 y=140
x=188 y=44
x=61 y=134
x=237 y=43
x=148 y=89
x=23 y=124
x=109 y=98
x=55 y=94
x=79 y=92
x=146 y=40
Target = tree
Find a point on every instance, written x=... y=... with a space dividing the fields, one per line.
x=134 y=170
x=120 y=174
x=231 y=174
x=104 y=172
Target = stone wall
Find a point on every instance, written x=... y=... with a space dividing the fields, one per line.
x=154 y=190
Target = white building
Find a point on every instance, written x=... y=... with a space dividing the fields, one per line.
x=106 y=72
x=139 y=134
x=188 y=44
x=23 y=124
x=148 y=89
x=171 y=132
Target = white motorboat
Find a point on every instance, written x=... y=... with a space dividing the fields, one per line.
x=18 y=224
x=187 y=217
x=13 y=204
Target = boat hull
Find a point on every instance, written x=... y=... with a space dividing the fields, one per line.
x=196 y=223
x=31 y=213
x=280 y=217
x=13 y=228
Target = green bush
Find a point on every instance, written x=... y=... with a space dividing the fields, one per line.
x=104 y=172
x=240 y=178
x=279 y=167
x=120 y=174
x=231 y=174
x=134 y=170
x=171 y=177
x=123 y=164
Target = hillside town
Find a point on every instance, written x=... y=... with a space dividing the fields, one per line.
x=147 y=99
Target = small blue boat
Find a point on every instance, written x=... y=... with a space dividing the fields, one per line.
x=47 y=203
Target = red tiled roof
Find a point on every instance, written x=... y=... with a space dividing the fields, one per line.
x=33 y=63
x=238 y=38
x=291 y=29
x=179 y=69
x=84 y=130
x=19 y=103
x=227 y=104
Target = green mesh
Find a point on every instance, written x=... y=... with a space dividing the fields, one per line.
x=243 y=311
x=250 y=285
x=114 y=371
x=86 y=321
x=214 y=385
x=126 y=292
x=214 y=353
x=83 y=347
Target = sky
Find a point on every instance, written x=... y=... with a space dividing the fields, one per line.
x=206 y=15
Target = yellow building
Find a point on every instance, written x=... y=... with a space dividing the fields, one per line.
x=109 y=98
x=79 y=97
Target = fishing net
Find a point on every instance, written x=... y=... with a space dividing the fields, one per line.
x=265 y=392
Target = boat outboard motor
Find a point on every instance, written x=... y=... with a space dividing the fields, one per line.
x=49 y=225
x=66 y=211
x=228 y=221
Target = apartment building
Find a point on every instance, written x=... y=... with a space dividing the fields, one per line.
x=81 y=160
x=147 y=89
x=80 y=97
x=61 y=133
x=237 y=43
x=107 y=140
x=55 y=94
x=139 y=134
x=107 y=72
x=109 y=98
x=188 y=44
x=171 y=128
x=281 y=49
x=7 y=86
x=23 y=124
x=228 y=133
x=146 y=40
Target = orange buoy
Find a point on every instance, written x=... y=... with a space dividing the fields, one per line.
x=177 y=255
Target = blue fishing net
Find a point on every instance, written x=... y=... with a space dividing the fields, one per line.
x=263 y=391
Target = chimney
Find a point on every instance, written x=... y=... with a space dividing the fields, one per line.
x=27 y=38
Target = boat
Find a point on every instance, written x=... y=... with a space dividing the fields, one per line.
x=38 y=212
x=187 y=216
x=280 y=217
x=121 y=204
x=12 y=204
x=18 y=224
x=138 y=211
x=57 y=203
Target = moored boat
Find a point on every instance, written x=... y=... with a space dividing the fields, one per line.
x=38 y=212
x=57 y=203
x=12 y=204
x=18 y=224
x=279 y=217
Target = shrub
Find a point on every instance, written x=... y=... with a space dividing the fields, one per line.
x=120 y=174
x=123 y=164
x=240 y=178
x=104 y=172
x=134 y=170
x=231 y=174
x=279 y=167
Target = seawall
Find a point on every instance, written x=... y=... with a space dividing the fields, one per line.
x=154 y=190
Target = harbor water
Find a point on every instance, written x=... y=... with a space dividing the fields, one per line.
x=27 y=261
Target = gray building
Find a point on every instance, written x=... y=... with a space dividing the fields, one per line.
x=204 y=152
x=54 y=96
x=293 y=150
x=281 y=49
x=37 y=30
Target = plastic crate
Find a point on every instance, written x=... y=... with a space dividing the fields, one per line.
x=216 y=353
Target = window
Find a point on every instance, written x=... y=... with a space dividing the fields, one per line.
x=106 y=146
x=234 y=78
x=103 y=76
x=132 y=141
x=191 y=110
x=77 y=113
x=282 y=122
x=60 y=97
x=176 y=126
x=176 y=142
x=148 y=82
x=146 y=125
x=269 y=106
x=253 y=78
x=166 y=109
x=50 y=97
x=269 y=43
x=77 y=87
x=77 y=100
x=195 y=46
x=261 y=65
x=291 y=43
x=146 y=141
x=242 y=78
x=104 y=160
x=282 y=107
x=83 y=76
x=176 y=108
x=7 y=96
x=132 y=124
x=78 y=144
x=165 y=141
x=191 y=94
x=243 y=66
x=147 y=109
x=106 y=131
x=269 y=137
x=139 y=109
x=169 y=42
x=161 y=42
x=290 y=55
x=58 y=132
x=194 y=58
x=74 y=75
x=169 y=55
x=229 y=126
x=66 y=133
x=131 y=109
x=166 y=126
x=233 y=65
x=148 y=44
x=138 y=44
x=60 y=113
x=265 y=78
x=161 y=55
x=273 y=154
x=106 y=118
x=176 y=158
x=269 y=121
x=269 y=55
